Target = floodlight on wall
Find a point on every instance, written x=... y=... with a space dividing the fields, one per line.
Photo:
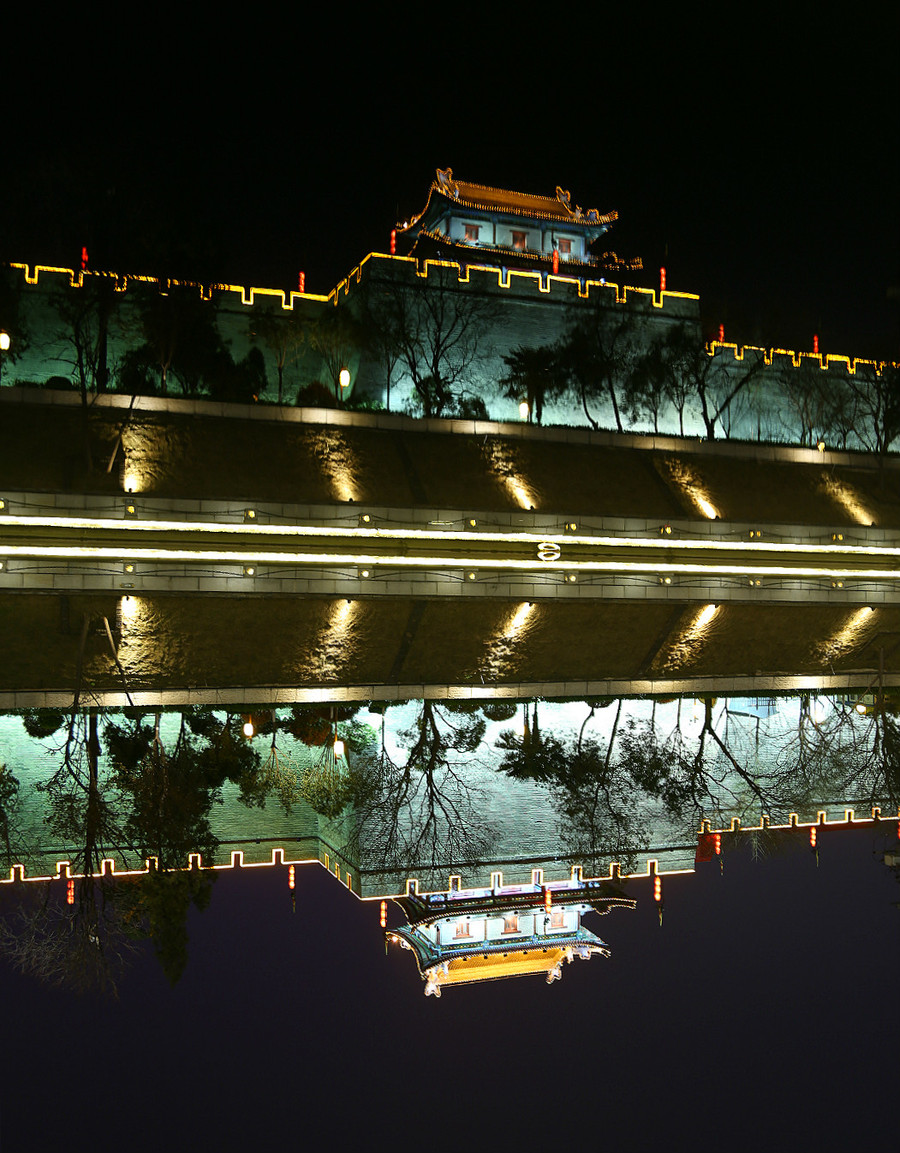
x=364 y=519
x=128 y=567
x=249 y=515
x=3 y=505
x=249 y=570
x=130 y=509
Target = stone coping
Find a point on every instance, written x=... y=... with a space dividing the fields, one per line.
x=237 y=697
x=396 y=422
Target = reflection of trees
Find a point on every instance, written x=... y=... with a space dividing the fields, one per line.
x=153 y=802
x=844 y=755
x=9 y=796
x=83 y=943
x=420 y=809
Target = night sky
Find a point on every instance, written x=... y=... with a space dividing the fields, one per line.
x=759 y=163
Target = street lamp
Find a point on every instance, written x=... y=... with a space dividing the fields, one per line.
x=524 y=409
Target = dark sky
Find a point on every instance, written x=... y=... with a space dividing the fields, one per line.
x=765 y=1008
x=756 y=158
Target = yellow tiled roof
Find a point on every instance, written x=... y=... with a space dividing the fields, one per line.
x=481 y=196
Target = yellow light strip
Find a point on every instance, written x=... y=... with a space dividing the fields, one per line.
x=330 y=559
x=413 y=534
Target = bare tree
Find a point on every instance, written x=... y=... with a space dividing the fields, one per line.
x=440 y=329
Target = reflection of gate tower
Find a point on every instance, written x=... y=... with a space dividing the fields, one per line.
x=467 y=935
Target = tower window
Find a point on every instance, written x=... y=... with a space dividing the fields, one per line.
x=565 y=246
x=472 y=231
x=518 y=240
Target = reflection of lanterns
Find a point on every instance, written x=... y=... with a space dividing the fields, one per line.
x=70 y=892
x=338 y=748
x=657 y=888
x=248 y=728
x=292 y=878
x=4 y=342
x=383 y=913
x=812 y=836
x=393 y=242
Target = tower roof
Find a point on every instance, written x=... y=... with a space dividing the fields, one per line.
x=482 y=198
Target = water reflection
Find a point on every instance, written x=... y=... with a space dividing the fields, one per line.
x=115 y=823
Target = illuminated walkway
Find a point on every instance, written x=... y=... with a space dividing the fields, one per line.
x=175 y=546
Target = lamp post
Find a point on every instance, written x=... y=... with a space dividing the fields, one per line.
x=4 y=347
x=343 y=381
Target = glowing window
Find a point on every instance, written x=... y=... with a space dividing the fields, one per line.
x=511 y=923
x=518 y=240
x=472 y=231
x=565 y=247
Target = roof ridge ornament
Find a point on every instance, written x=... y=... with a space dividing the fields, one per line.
x=446 y=183
x=564 y=197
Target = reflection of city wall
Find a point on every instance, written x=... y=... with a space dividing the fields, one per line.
x=794 y=834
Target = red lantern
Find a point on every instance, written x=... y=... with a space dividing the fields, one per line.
x=84 y=258
x=383 y=913
x=721 y=334
x=662 y=280
x=393 y=242
x=816 y=344
x=556 y=262
x=301 y=282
